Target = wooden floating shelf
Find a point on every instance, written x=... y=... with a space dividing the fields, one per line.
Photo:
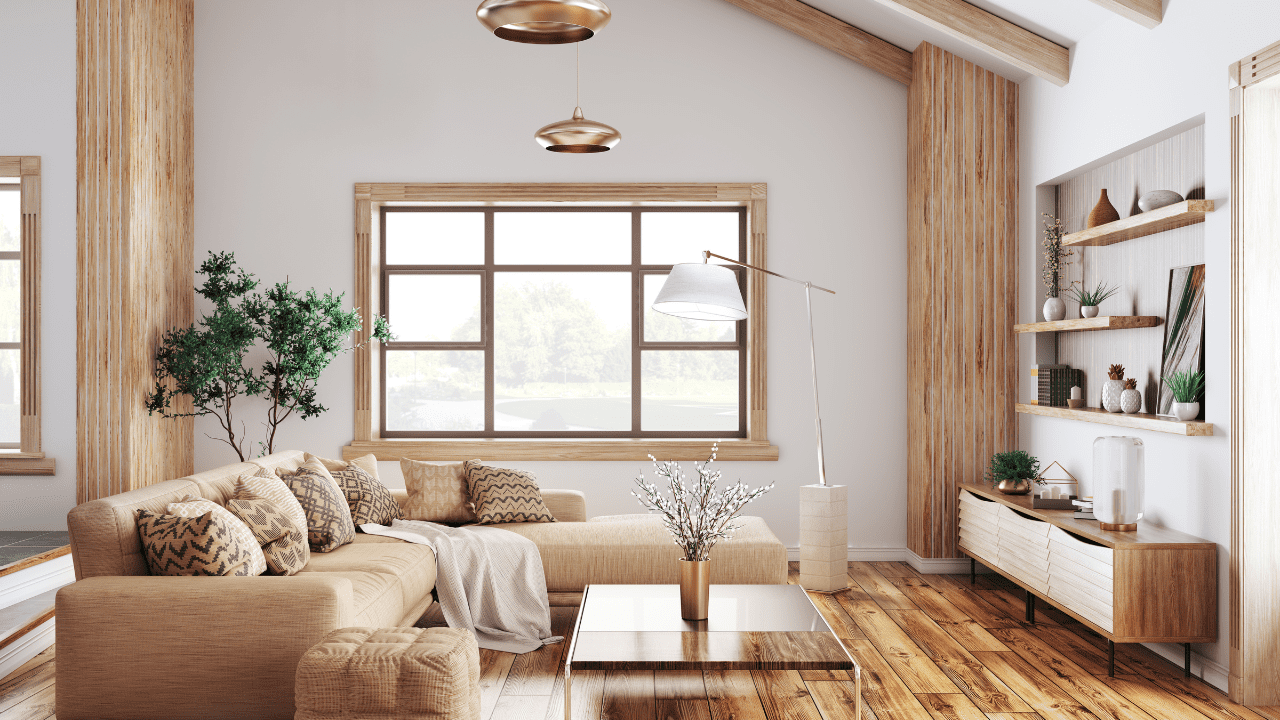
x=1140 y=421
x=1187 y=212
x=1106 y=322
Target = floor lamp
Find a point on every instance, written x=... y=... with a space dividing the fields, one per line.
x=702 y=291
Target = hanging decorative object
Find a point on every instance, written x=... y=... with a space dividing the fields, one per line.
x=544 y=22
x=578 y=135
x=1119 y=478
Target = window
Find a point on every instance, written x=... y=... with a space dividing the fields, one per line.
x=20 y=452
x=524 y=330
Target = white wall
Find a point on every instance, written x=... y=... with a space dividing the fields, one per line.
x=1129 y=83
x=296 y=100
x=38 y=117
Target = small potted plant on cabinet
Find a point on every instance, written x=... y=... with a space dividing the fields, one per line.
x=1187 y=387
x=1013 y=471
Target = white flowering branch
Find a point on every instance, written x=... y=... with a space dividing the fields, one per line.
x=697 y=517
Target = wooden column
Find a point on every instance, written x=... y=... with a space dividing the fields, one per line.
x=962 y=187
x=134 y=273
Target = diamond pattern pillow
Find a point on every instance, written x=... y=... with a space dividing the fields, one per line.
x=329 y=525
x=266 y=485
x=201 y=545
x=283 y=542
x=369 y=500
x=192 y=506
x=505 y=496
x=437 y=492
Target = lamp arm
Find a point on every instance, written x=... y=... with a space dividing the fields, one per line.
x=708 y=254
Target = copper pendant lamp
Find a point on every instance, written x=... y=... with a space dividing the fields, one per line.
x=543 y=22
x=578 y=135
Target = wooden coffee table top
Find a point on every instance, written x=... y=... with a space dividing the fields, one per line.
x=749 y=627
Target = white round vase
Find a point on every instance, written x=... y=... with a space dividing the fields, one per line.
x=1186 y=411
x=1130 y=401
x=1111 y=391
x=1055 y=309
x=1089 y=311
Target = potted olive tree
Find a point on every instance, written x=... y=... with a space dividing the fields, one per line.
x=1012 y=472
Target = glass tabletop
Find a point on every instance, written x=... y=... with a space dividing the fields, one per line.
x=732 y=608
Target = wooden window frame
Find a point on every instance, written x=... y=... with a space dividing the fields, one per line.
x=370 y=198
x=28 y=458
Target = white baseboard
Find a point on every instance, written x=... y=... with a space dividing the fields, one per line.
x=1201 y=666
x=37 y=579
x=861 y=554
x=927 y=566
x=16 y=654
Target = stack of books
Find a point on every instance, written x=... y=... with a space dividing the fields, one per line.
x=1084 y=509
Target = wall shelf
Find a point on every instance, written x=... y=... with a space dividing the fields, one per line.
x=1139 y=421
x=1107 y=322
x=1187 y=212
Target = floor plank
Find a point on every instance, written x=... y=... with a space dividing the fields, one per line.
x=20 y=686
x=836 y=700
x=1149 y=697
x=964 y=629
x=681 y=695
x=951 y=707
x=883 y=689
x=884 y=593
x=784 y=695
x=629 y=695
x=588 y=695
x=520 y=707
x=1045 y=698
x=983 y=688
x=1014 y=716
x=1010 y=600
x=732 y=695
x=534 y=673
x=894 y=569
x=38 y=706
x=908 y=661
x=971 y=602
x=494 y=667
x=1208 y=700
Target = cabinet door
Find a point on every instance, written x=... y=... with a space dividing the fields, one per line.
x=1081 y=577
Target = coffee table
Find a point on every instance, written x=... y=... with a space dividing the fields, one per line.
x=749 y=627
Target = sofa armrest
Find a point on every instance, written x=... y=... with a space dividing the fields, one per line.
x=566 y=505
x=190 y=647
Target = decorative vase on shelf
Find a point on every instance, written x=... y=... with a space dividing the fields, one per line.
x=1186 y=411
x=1130 y=398
x=1119 y=482
x=1014 y=487
x=695 y=589
x=1112 y=388
x=1055 y=308
x=1089 y=311
x=1157 y=199
x=1104 y=212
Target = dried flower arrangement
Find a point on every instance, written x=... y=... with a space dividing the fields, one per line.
x=696 y=517
x=1055 y=258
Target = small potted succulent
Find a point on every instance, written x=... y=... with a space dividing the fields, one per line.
x=1012 y=472
x=1187 y=387
x=1090 y=299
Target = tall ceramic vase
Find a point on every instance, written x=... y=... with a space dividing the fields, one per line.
x=1104 y=212
x=695 y=589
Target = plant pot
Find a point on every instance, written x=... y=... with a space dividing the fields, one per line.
x=1089 y=311
x=1055 y=309
x=1104 y=212
x=1130 y=401
x=1186 y=411
x=1014 y=487
x=695 y=589
x=1111 y=391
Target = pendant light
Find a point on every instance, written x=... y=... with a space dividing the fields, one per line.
x=543 y=22
x=578 y=135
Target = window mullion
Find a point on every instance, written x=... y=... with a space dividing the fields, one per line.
x=490 y=325
x=637 y=320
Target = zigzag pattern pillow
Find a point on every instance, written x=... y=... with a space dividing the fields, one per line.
x=505 y=496
x=203 y=545
x=370 y=501
x=284 y=544
x=329 y=525
x=191 y=506
x=265 y=484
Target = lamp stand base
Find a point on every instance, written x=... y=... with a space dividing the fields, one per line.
x=824 y=537
x=1126 y=527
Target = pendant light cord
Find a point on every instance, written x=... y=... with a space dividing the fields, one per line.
x=577 y=74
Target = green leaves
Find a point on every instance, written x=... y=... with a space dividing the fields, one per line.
x=1186 y=385
x=1012 y=465
x=302 y=333
x=1093 y=297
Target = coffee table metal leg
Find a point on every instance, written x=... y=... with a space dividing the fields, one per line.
x=857 y=692
x=568 y=683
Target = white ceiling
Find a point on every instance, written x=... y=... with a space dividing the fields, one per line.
x=1065 y=22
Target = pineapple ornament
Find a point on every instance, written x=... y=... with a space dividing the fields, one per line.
x=1112 y=389
x=1130 y=399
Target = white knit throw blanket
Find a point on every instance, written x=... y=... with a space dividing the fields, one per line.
x=488 y=580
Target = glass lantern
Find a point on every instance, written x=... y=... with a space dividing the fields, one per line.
x=1119 y=482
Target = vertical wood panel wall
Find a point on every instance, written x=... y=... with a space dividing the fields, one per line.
x=134 y=263
x=962 y=186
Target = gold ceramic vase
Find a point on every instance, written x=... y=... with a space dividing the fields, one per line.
x=695 y=588
x=1014 y=487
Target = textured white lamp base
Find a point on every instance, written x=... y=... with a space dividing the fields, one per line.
x=824 y=537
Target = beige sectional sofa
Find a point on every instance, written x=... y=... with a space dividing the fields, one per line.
x=136 y=647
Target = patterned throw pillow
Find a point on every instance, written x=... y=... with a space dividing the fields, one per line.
x=437 y=492
x=265 y=484
x=284 y=543
x=370 y=501
x=329 y=525
x=192 y=506
x=505 y=496
x=202 y=545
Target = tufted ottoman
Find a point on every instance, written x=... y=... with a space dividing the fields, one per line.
x=390 y=674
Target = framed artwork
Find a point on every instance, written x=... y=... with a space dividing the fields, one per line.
x=1183 y=330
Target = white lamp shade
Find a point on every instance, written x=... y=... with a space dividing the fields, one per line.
x=699 y=291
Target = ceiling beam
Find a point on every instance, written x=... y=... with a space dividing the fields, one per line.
x=1147 y=13
x=835 y=35
x=979 y=28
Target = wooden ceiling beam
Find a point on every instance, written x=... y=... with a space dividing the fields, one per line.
x=835 y=35
x=1147 y=13
x=991 y=33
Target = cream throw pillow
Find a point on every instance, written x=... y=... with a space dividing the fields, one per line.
x=437 y=492
x=193 y=507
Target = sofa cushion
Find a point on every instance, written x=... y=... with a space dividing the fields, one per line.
x=200 y=545
x=502 y=495
x=377 y=599
x=191 y=506
x=437 y=492
x=414 y=565
x=637 y=550
x=329 y=523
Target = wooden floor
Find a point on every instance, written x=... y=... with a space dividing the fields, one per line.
x=930 y=646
